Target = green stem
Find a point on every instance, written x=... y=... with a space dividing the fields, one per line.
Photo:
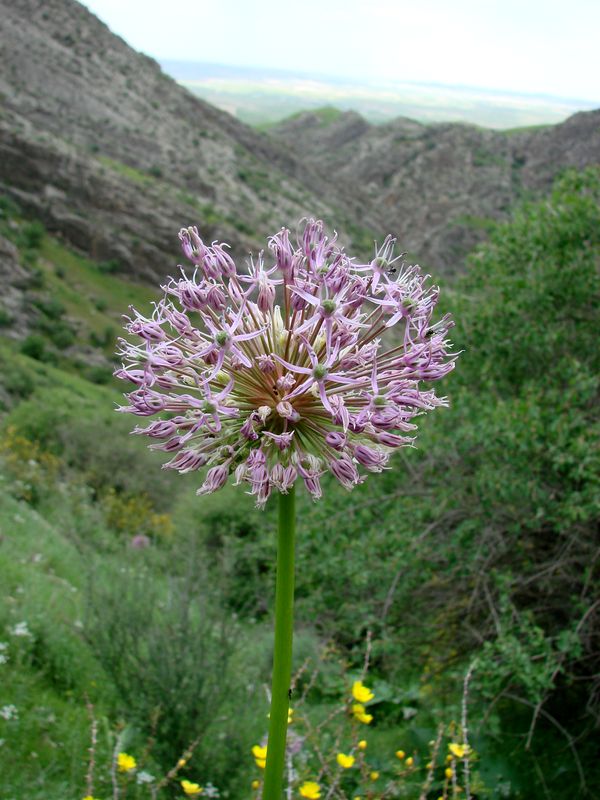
x=282 y=656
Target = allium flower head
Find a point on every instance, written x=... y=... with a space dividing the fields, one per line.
x=288 y=369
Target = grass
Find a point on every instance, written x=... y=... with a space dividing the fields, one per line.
x=326 y=115
x=131 y=173
x=49 y=672
x=89 y=296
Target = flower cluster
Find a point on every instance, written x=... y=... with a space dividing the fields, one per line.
x=362 y=695
x=285 y=371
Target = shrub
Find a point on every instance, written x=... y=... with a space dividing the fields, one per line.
x=34 y=346
x=167 y=649
x=33 y=472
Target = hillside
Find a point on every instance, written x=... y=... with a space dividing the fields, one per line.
x=115 y=156
x=436 y=186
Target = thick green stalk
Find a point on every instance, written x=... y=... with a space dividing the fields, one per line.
x=282 y=656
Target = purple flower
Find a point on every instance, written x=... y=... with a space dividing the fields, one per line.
x=273 y=392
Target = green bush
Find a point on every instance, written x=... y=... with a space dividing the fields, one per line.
x=34 y=346
x=168 y=650
x=6 y=318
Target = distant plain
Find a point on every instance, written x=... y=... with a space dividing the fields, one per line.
x=262 y=97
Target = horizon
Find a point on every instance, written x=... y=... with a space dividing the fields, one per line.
x=167 y=63
x=541 y=49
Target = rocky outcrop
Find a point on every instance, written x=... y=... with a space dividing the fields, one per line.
x=14 y=322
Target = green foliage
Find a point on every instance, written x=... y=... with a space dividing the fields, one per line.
x=126 y=170
x=170 y=653
x=110 y=266
x=34 y=346
x=534 y=291
x=6 y=318
x=31 y=235
x=480 y=545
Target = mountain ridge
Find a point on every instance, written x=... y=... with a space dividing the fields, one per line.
x=115 y=156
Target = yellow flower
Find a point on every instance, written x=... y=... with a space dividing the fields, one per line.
x=400 y=754
x=429 y=765
x=255 y=784
x=311 y=790
x=409 y=761
x=449 y=772
x=360 y=693
x=360 y=714
x=374 y=775
x=362 y=745
x=88 y=797
x=260 y=755
x=126 y=763
x=182 y=762
x=345 y=761
x=458 y=750
x=191 y=789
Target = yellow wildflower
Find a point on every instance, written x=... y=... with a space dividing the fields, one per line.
x=360 y=693
x=449 y=772
x=400 y=754
x=429 y=765
x=409 y=761
x=345 y=761
x=260 y=755
x=360 y=714
x=255 y=784
x=191 y=789
x=310 y=790
x=374 y=775
x=182 y=762
x=125 y=762
x=458 y=750
x=362 y=745
x=259 y=752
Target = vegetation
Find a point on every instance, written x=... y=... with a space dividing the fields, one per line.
x=150 y=608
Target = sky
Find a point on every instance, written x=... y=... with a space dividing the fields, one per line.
x=546 y=47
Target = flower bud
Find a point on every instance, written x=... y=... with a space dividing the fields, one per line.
x=215 y=479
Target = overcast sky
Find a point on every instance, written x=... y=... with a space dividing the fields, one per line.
x=533 y=46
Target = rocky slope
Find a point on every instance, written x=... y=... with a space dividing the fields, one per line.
x=434 y=186
x=107 y=150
